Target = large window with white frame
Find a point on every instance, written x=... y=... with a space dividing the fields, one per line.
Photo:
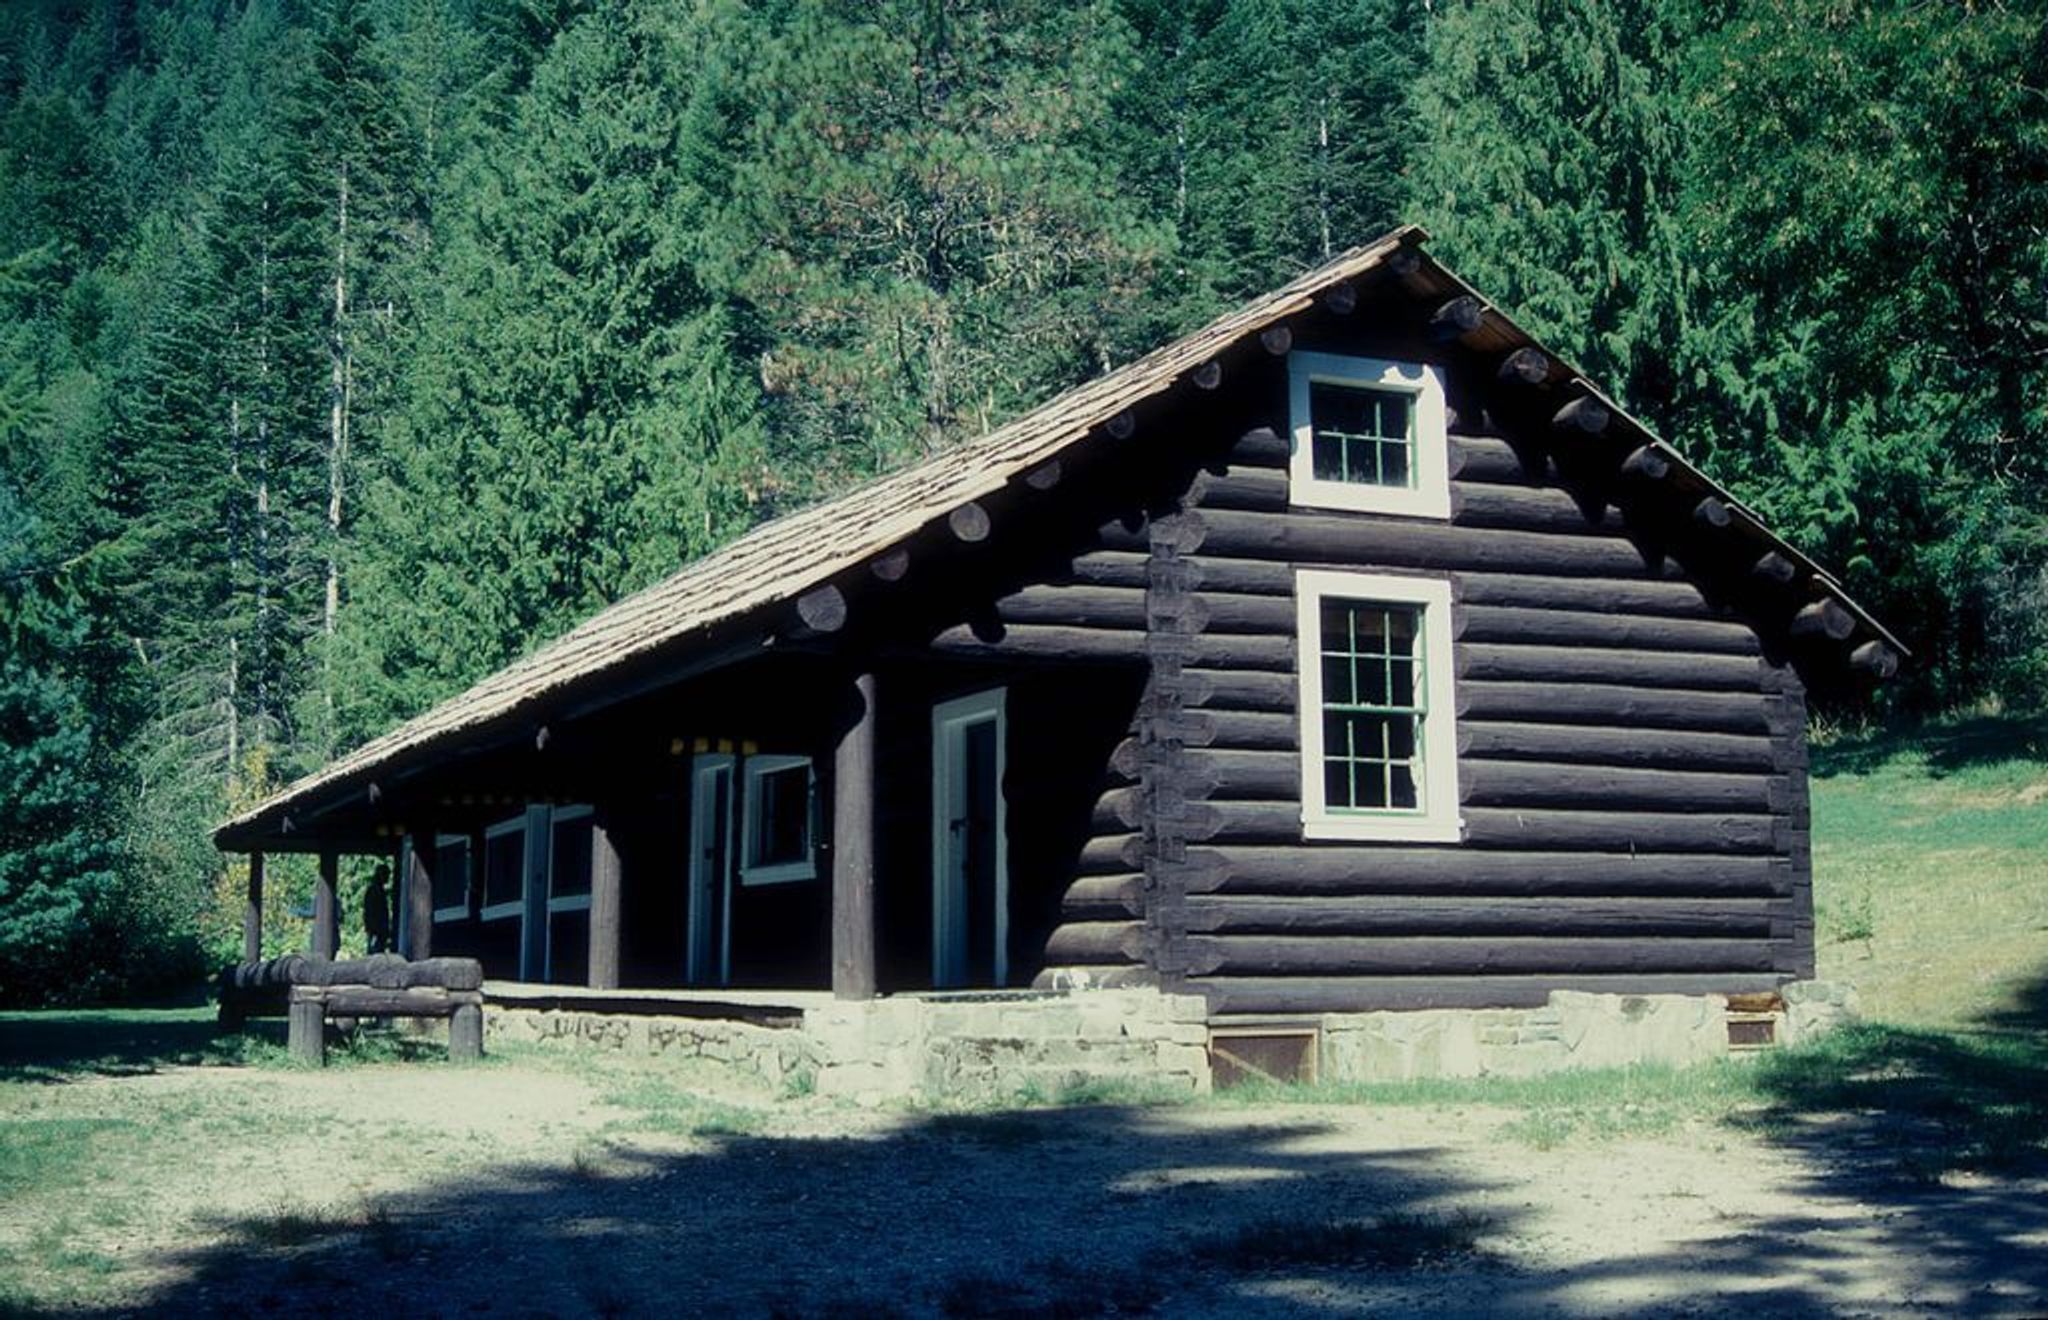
x=1378 y=737
x=777 y=811
x=1368 y=435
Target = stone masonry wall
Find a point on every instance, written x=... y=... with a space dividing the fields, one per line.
x=910 y=1047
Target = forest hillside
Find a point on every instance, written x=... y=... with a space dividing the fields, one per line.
x=349 y=348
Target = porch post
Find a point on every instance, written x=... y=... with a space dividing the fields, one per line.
x=252 y=912
x=853 y=850
x=604 y=907
x=326 y=915
x=420 y=861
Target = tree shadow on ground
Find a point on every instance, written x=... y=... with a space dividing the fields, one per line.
x=56 y=1047
x=1949 y=746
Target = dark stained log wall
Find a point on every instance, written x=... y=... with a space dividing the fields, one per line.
x=1631 y=760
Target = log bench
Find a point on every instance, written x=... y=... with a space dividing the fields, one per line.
x=309 y=991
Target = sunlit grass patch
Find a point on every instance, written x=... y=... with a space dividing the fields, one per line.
x=657 y=1103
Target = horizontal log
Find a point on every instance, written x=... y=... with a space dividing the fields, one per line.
x=1117 y=809
x=1325 y=869
x=1364 y=994
x=1250 y=730
x=384 y=971
x=1628 y=668
x=1337 y=539
x=1341 y=955
x=1586 y=628
x=1484 y=783
x=1104 y=897
x=1111 y=854
x=1492 y=460
x=1525 y=367
x=1825 y=617
x=1583 y=416
x=822 y=609
x=365 y=1001
x=1625 y=747
x=1613 y=705
x=1085 y=943
x=1669 y=598
x=1530 y=509
x=1075 y=606
x=1044 y=642
x=1550 y=916
x=1231 y=821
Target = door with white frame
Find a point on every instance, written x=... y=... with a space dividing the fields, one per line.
x=970 y=854
x=708 y=949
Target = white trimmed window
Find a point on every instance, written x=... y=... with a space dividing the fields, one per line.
x=1368 y=435
x=775 y=831
x=1378 y=739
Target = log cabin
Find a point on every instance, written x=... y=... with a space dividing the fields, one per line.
x=1352 y=653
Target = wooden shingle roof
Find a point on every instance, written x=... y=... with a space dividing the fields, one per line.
x=781 y=560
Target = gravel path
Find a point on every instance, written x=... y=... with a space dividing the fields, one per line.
x=519 y=1190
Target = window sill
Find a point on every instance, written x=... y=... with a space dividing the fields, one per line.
x=451 y=914
x=1383 y=829
x=783 y=874
x=1356 y=497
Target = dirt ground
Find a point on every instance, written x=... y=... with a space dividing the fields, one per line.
x=575 y=1187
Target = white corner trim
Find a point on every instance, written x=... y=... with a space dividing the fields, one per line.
x=1430 y=496
x=779 y=873
x=1440 y=821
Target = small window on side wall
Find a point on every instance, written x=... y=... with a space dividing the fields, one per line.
x=1368 y=435
x=451 y=877
x=776 y=845
x=1378 y=741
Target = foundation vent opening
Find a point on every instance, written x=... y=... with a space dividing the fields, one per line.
x=1238 y=1055
x=1753 y=1022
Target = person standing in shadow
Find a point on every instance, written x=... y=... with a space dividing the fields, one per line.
x=377 y=911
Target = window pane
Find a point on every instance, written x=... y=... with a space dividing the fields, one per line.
x=1373 y=706
x=504 y=867
x=782 y=817
x=1361 y=434
x=569 y=872
x=451 y=875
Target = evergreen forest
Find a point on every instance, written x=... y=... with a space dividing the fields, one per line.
x=349 y=348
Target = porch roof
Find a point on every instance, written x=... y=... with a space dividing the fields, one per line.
x=782 y=559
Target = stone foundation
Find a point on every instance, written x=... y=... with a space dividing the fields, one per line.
x=1020 y=1044
x=991 y=1045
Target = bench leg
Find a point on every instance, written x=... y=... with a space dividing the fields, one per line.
x=466 y=1033
x=308 y=1034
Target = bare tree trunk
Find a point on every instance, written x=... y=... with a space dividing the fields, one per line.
x=1323 y=171
x=337 y=451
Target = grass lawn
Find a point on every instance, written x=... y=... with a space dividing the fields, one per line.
x=122 y=1131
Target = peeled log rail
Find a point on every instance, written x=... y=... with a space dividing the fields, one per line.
x=384 y=971
x=1824 y=618
x=1337 y=869
x=1336 y=955
x=1330 y=994
x=1532 y=664
x=1542 y=829
x=1378 y=914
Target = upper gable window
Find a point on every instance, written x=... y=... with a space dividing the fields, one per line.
x=1368 y=435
